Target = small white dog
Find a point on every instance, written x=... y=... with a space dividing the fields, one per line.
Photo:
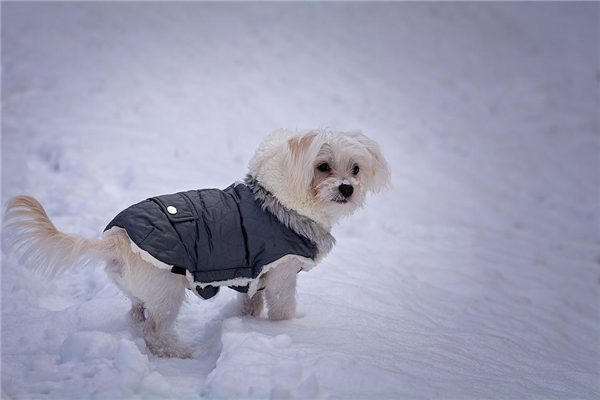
x=254 y=235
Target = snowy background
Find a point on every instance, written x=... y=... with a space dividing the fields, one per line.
x=477 y=275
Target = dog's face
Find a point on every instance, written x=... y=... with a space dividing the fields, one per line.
x=343 y=171
x=324 y=175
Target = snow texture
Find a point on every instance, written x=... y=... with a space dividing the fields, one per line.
x=477 y=275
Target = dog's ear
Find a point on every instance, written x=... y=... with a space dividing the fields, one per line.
x=299 y=145
x=379 y=171
x=301 y=154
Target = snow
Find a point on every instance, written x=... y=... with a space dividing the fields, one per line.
x=477 y=275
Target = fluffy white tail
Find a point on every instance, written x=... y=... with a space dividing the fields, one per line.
x=34 y=238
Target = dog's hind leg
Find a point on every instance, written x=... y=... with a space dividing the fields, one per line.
x=115 y=269
x=162 y=294
x=158 y=334
x=136 y=313
x=156 y=295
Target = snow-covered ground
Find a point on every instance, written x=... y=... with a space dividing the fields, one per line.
x=477 y=275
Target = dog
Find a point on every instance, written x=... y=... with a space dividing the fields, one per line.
x=254 y=236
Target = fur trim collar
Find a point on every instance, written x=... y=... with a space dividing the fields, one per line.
x=298 y=223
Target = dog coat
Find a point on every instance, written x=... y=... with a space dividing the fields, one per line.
x=217 y=236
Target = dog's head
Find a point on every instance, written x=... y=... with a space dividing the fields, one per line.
x=321 y=174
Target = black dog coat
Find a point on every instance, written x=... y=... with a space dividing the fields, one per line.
x=219 y=236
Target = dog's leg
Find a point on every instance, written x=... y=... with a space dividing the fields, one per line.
x=280 y=291
x=115 y=269
x=158 y=292
x=136 y=313
x=163 y=308
x=252 y=305
x=162 y=294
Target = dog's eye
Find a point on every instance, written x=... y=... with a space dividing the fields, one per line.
x=355 y=170
x=323 y=167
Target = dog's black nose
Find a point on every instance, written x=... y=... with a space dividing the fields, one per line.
x=346 y=190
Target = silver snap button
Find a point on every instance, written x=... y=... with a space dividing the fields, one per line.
x=172 y=210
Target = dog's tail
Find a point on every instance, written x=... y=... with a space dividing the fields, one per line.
x=34 y=238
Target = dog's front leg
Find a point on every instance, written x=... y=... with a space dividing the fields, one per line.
x=280 y=291
x=252 y=305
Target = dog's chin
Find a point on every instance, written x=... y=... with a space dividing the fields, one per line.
x=339 y=207
x=350 y=203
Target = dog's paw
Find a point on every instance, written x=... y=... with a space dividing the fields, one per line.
x=166 y=344
x=182 y=352
x=281 y=315
x=162 y=349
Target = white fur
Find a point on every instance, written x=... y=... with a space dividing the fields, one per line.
x=284 y=164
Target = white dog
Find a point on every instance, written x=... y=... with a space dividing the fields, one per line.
x=254 y=235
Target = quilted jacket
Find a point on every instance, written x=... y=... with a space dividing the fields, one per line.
x=216 y=235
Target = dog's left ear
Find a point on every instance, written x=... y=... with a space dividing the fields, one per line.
x=379 y=171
